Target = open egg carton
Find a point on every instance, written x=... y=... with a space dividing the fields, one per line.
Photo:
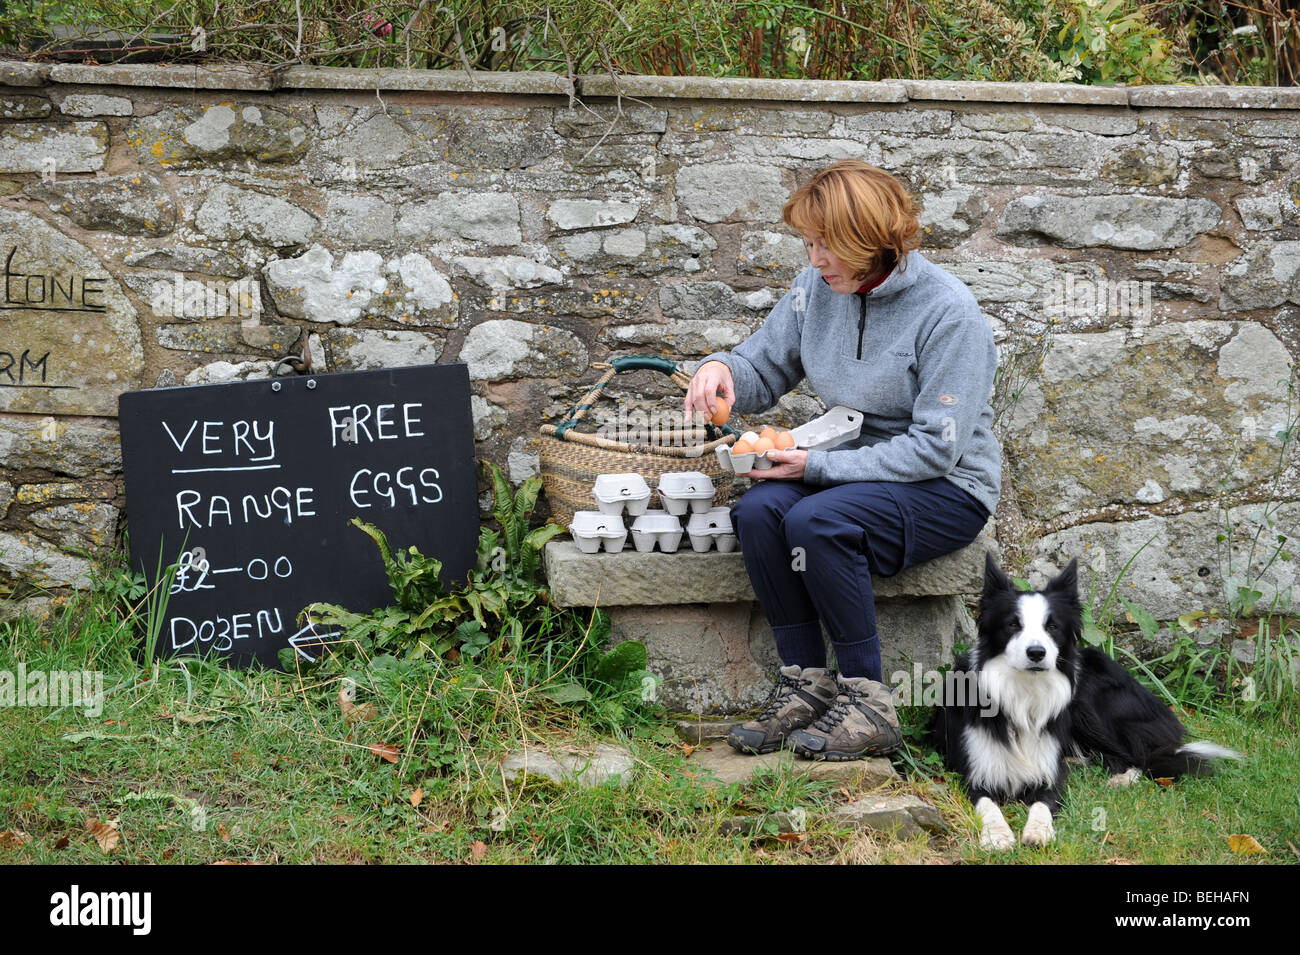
x=836 y=426
x=680 y=492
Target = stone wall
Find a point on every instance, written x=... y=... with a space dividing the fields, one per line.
x=168 y=225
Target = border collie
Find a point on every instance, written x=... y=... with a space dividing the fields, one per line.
x=1037 y=697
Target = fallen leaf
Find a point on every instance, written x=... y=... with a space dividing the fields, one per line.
x=96 y=734
x=223 y=832
x=105 y=834
x=193 y=718
x=13 y=838
x=1243 y=844
x=63 y=842
x=417 y=797
x=163 y=714
x=686 y=748
x=1212 y=816
x=795 y=837
x=477 y=849
x=385 y=751
x=354 y=712
x=1164 y=781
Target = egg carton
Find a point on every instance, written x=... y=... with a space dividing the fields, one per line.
x=592 y=529
x=657 y=527
x=680 y=491
x=710 y=527
x=836 y=426
x=617 y=492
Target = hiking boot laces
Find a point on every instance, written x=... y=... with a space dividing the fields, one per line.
x=839 y=709
x=786 y=687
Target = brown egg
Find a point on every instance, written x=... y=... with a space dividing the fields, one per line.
x=785 y=440
x=769 y=432
x=723 y=411
x=742 y=447
x=764 y=444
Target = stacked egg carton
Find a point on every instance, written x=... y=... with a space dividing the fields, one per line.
x=679 y=492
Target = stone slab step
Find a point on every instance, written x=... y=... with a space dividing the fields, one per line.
x=696 y=732
x=595 y=766
x=902 y=814
x=718 y=762
x=631 y=578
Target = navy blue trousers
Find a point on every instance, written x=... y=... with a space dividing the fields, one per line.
x=811 y=552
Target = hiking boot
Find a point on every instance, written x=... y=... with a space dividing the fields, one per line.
x=860 y=723
x=800 y=697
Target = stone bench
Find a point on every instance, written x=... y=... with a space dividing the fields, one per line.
x=707 y=636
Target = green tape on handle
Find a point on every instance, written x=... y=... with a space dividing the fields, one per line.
x=637 y=362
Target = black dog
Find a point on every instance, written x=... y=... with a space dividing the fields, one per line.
x=1036 y=697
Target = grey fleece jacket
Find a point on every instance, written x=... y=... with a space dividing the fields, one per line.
x=915 y=355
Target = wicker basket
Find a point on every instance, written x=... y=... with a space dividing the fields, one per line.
x=571 y=459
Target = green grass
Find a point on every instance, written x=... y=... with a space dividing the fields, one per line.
x=1188 y=822
x=197 y=764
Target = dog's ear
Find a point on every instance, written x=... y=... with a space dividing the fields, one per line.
x=1067 y=581
x=994 y=579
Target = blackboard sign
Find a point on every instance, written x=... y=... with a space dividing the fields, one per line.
x=249 y=487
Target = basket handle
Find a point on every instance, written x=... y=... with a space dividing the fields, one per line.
x=653 y=362
x=631 y=363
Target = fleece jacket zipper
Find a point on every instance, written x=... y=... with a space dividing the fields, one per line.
x=862 y=321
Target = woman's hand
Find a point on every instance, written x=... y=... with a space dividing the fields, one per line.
x=787 y=463
x=711 y=378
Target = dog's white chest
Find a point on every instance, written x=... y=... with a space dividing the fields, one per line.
x=1024 y=759
x=1029 y=756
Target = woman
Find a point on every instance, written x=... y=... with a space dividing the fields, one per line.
x=876 y=326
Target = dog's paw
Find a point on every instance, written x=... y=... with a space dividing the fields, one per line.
x=1038 y=830
x=997 y=838
x=1126 y=778
x=995 y=834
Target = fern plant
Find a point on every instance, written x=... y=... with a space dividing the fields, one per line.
x=514 y=551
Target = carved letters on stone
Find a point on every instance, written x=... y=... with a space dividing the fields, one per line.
x=69 y=339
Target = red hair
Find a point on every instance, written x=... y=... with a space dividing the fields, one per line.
x=864 y=215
